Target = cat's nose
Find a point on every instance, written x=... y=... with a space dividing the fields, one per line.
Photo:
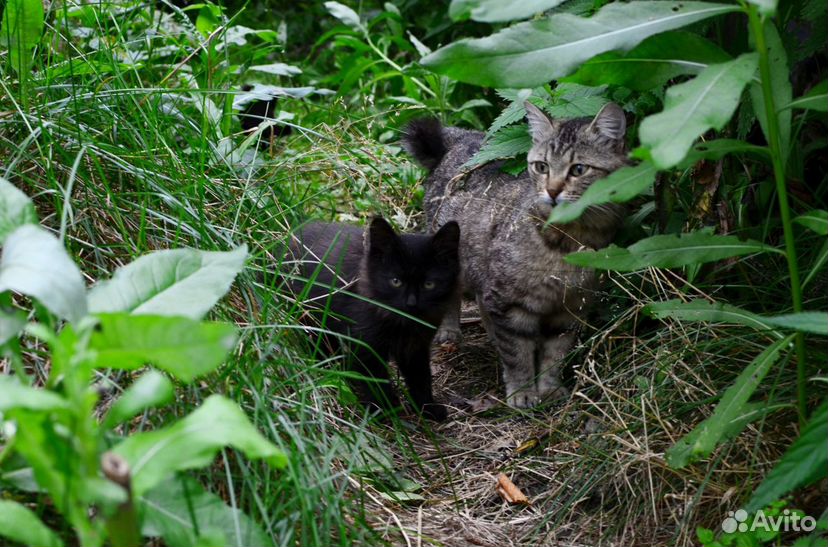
x=411 y=301
x=554 y=192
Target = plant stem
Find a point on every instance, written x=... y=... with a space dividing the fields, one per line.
x=757 y=27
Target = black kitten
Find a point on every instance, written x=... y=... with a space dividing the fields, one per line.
x=416 y=274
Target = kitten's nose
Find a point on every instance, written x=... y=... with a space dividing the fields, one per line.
x=411 y=301
x=554 y=192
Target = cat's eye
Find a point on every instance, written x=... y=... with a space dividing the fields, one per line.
x=429 y=285
x=395 y=282
x=540 y=167
x=577 y=170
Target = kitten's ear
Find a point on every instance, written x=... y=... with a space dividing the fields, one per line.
x=610 y=122
x=541 y=127
x=380 y=238
x=447 y=240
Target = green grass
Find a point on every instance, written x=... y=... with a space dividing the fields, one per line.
x=121 y=165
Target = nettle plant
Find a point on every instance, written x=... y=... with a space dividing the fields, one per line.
x=633 y=52
x=59 y=440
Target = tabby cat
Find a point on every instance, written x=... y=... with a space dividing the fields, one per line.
x=531 y=301
x=415 y=274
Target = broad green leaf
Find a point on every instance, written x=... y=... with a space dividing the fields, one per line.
x=816 y=99
x=816 y=221
x=781 y=90
x=719 y=148
x=150 y=390
x=533 y=53
x=805 y=462
x=174 y=282
x=618 y=187
x=193 y=442
x=170 y=508
x=16 y=209
x=700 y=442
x=719 y=312
x=498 y=11
x=277 y=69
x=11 y=323
x=668 y=251
x=506 y=143
x=21 y=525
x=34 y=263
x=183 y=347
x=692 y=108
x=20 y=31
x=653 y=62
x=344 y=14
x=14 y=394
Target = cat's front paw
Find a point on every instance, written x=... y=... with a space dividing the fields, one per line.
x=448 y=336
x=554 y=393
x=523 y=398
x=435 y=411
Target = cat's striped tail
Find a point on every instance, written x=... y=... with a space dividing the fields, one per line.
x=424 y=139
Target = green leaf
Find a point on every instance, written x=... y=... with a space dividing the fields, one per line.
x=719 y=148
x=14 y=394
x=816 y=221
x=20 y=30
x=16 y=209
x=816 y=99
x=174 y=282
x=183 y=347
x=805 y=462
x=506 y=143
x=11 y=323
x=692 y=108
x=668 y=251
x=618 y=187
x=652 y=63
x=150 y=390
x=766 y=7
x=780 y=88
x=700 y=442
x=344 y=14
x=167 y=514
x=21 y=525
x=498 y=11
x=193 y=442
x=34 y=263
x=533 y=53
x=719 y=312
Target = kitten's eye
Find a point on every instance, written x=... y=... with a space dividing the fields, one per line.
x=540 y=167
x=577 y=170
x=395 y=282
x=429 y=285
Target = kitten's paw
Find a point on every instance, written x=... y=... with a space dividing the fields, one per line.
x=554 y=393
x=523 y=398
x=435 y=411
x=450 y=336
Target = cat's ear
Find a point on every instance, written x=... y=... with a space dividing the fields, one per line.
x=541 y=126
x=609 y=123
x=380 y=238
x=447 y=240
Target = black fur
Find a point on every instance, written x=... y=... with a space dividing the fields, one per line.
x=423 y=138
x=395 y=270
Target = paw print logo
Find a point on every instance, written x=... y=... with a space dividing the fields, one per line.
x=735 y=521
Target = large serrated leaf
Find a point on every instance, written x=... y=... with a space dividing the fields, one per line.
x=16 y=209
x=193 y=443
x=653 y=62
x=668 y=251
x=175 y=282
x=719 y=312
x=506 y=143
x=498 y=11
x=21 y=525
x=700 y=442
x=170 y=508
x=533 y=53
x=705 y=102
x=181 y=346
x=805 y=462
x=34 y=263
